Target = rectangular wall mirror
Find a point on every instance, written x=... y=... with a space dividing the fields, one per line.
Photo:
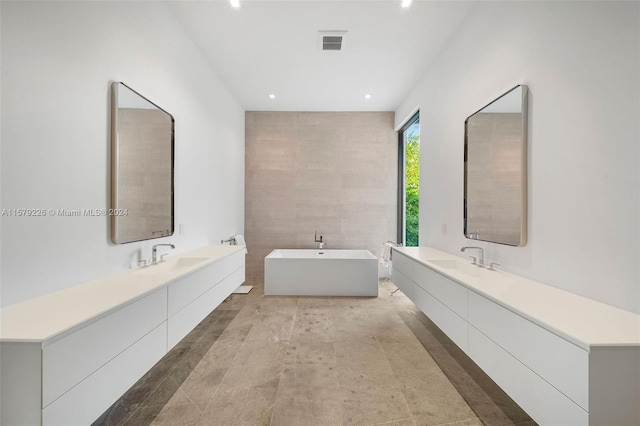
x=495 y=171
x=142 y=147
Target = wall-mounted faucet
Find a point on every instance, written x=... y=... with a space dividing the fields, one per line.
x=154 y=251
x=319 y=241
x=231 y=241
x=480 y=258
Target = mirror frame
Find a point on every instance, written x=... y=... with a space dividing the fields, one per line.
x=523 y=164
x=115 y=151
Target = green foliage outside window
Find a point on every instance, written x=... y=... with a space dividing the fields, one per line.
x=412 y=188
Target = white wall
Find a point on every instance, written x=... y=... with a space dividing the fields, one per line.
x=58 y=59
x=581 y=61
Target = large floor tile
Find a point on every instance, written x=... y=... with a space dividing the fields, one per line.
x=378 y=404
x=186 y=414
x=270 y=360
x=240 y=405
x=309 y=412
x=435 y=402
x=309 y=381
x=202 y=383
x=312 y=352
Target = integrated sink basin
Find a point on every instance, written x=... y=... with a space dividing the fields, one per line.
x=457 y=265
x=170 y=266
x=189 y=261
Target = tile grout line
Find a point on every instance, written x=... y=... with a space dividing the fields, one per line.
x=335 y=357
x=460 y=422
x=448 y=374
x=394 y=421
x=295 y=359
x=166 y=376
x=133 y=413
x=231 y=364
x=190 y=399
x=479 y=389
x=406 y=404
x=179 y=385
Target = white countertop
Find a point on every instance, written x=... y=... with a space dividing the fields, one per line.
x=583 y=321
x=42 y=318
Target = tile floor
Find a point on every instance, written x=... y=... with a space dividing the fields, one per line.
x=270 y=360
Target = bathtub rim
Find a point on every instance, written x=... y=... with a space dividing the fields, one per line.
x=318 y=253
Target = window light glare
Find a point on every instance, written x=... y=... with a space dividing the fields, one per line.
x=236 y=3
x=272 y=96
x=405 y=3
x=367 y=96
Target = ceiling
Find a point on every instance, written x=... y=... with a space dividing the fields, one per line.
x=271 y=47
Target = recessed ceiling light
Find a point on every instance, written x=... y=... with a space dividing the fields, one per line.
x=236 y=3
x=405 y=3
x=272 y=96
x=367 y=96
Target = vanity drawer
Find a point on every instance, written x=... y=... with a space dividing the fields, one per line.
x=448 y=321
x=403 y=282
x=189 y=288
x=86 y=401
x=561 y=363
x=185 y=320
x=71 y=359
x=402 y=263
x=450 y=293
x=543 y=402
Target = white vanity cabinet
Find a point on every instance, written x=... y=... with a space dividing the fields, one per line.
x=543 y=402
x=85 y=363
x=66 y=357
x=547 y=375
x=562 y=364
x=87 y=400
x=403 y=275
x=443 y=301
x=191 y=298
x=68 y=360
x=565 y=359
x=73 y=377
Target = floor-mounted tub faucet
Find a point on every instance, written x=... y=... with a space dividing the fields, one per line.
x=154 y=251
x=481 y=256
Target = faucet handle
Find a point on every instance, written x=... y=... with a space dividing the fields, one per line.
x=162 y=256
x=491 y=266
x=142 y=262
x=475 y=260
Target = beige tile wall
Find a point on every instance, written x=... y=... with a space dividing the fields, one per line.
x=334 y=172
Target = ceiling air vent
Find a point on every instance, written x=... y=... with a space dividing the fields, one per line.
x=331 y=40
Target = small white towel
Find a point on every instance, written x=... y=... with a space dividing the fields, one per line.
x=385 y=254
x=239 y=239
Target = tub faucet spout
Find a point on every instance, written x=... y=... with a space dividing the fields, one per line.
x=319 y=241
x=154 y=251
x=480 y=257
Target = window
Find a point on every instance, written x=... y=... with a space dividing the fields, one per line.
x=409 y=181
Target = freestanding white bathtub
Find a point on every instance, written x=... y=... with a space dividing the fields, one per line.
x=313 y=272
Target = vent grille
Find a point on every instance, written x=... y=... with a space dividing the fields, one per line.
x=331 y=40
x=332 y=43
